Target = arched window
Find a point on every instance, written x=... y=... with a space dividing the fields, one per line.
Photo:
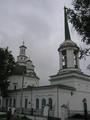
x=75 y=59
x=14 y=102
x=50 y=103
x=43 y=102
x=10 y=102
x=26 y=102
x=64 y=59
x=37 y=103
x=6 y=102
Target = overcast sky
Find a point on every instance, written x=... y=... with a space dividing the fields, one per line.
x=40 y=23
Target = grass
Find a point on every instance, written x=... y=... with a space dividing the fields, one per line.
x=22 y=118
x=2 y=116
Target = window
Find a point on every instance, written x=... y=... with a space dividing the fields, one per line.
x=64 y=59
x=43 y=102
x=15 y=86
x=0 y=102
x=75 y=59
x=22 y=51
x=14 y=102
x=10 y=104
x=6 y=103
x=26 y=102
x=50 y=103
x=37 y=103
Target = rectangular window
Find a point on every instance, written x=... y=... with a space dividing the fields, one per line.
x=6 y=103
x=10 y=104
x=64 y=59
x=26 y=102
x=15 y=86
x=0 y=102
x=14 y=102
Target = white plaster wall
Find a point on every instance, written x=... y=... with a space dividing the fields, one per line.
x=82 y=85
x=59 y=97
x=45 y=93
x=18 y=80
x=79 y=84
x=64 y=99
x=69 y=81
x=74 y=101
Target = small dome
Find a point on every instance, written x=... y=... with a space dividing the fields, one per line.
x=68 y=43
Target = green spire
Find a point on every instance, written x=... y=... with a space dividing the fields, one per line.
x=67 y=33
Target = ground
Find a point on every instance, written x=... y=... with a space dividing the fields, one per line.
x=19 y=117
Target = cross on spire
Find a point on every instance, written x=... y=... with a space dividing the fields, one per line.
x=23 y=42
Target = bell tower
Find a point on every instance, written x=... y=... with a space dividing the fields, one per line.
x=69 y=73
x=21 y=59
x=68 y=50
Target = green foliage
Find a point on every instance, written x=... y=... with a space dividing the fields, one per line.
x=2 y=116
x=80 y=18
x=7 y=63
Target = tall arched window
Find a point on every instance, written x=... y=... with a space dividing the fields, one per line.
x=75 y=59
x=64 y=59
x=14 y=102
x=37 y=103
x=10 y=102
x=6 y=102
x=50 y=103
x=43 y=102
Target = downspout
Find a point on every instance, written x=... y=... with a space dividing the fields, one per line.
x=57 y=103
x=31 y=97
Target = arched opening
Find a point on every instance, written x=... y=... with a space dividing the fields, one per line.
x=43 y=102
x=50 y=103
x=75 y=59
x=64 y=59
x=37 y=103
x=14 y=102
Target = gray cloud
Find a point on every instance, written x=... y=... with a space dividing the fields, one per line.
x=40 y=24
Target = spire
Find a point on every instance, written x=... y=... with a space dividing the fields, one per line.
x=67 y=33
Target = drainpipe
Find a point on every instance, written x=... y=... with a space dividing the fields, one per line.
x=57 y=103
x=31 y=97
x=21 y=101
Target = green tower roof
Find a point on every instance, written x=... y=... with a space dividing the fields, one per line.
x=67 y=33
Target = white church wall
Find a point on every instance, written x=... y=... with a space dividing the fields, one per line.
x=27 y=95
x=82 y=85
x=18 y=97
x=17 y=80
x=76 y=103
x=78 y=83
x=64 y=81
x=45 y=94
x=64 y=99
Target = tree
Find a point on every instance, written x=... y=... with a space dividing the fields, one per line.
x=80 y=19
x=7 y=63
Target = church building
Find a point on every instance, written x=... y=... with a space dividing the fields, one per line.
x=68 y=89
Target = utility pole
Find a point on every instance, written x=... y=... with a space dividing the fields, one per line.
x=21 y=99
